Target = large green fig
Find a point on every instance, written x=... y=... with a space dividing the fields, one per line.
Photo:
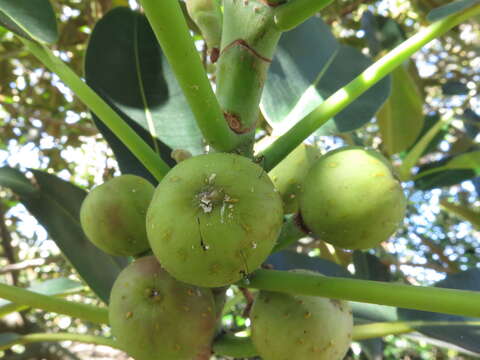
x=213 y=219
x=352 y=199
x=155 y=317
x=113 y=215
x=293 y=327
x=288 y=176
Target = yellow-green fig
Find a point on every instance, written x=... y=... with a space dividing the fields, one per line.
x=213 y=219
x=154 y=316
x=352 y=199
x=294 y=327
x=113 y=215
x=288 y=176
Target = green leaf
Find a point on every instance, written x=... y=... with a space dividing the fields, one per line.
x=56 y=205
x=369 y=267
x=454 y=87
x=8 y=338
x=469 y=161
x=296 y=85
x=401 y=117
x=467 y=213
x=465 y=336
x=31 y=19
x=51 y=287
x=125 y=65
x=381 y=33
x=293 y=72
x=15 y=180
x=450 y=8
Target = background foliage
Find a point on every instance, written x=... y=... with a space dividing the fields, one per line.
x=44 y=127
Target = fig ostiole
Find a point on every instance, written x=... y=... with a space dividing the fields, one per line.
x=213 y=219
x=154 y=316
x=352 y=199
x=113 y=215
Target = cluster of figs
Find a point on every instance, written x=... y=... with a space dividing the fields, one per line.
x=215 y=218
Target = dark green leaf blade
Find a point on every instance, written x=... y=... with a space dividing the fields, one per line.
x=464 y=336
x=292 y=71
x=349 y=63
x=31 y=19
x=296 y=85
x=450 y=8
x=125 y=65
x=56 y=205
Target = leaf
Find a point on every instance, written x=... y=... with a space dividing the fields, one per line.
x=31 y=19
x=292 y=73
x=369 y=267
x=462 y=211
x=450 y=8
x=51 y=287
x=296 y=85
x=401 y=117
x=290 y=260
x=125 y=65
x=381 y=33
x=56 y=205
x=471 y=121
x=8 y=338
x=452 y=169
x=14 y=179
x=464 y=336
x=454 y=88
x=373 y=348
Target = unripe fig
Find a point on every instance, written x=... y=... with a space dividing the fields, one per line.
x=294 y=327
x=154 y=316
x=352 y=199
x=288 y=176
x=213 y=219
x=113 y=215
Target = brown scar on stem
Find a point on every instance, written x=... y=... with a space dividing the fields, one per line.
x=235 y=124
x=244 y=44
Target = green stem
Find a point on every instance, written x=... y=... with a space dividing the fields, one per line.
x=344 y=96
x=170 y=27
x=295 y=12
x=249 y=39
x=242 y=347
x=53 y=304
x=55 y=337
x=413 y=155
x=152 y=161
x=448 y=301
x=381 y=329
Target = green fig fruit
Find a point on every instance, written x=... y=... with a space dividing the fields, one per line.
x=213 y=219
x=113 y=215
x=288 y=176
x=352 y=199
x=154 y=316
x=294 y=327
